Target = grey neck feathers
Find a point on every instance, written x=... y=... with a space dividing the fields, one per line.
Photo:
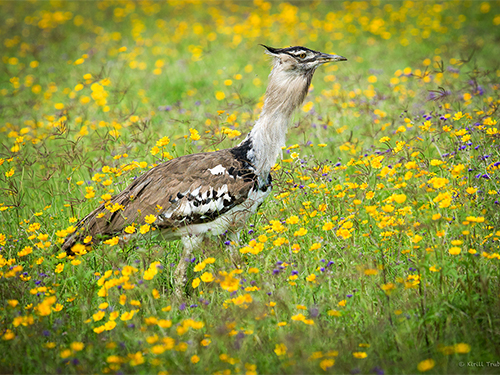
x=286 y=91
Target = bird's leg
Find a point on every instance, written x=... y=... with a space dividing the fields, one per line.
x=234 y=252
x=180 y=274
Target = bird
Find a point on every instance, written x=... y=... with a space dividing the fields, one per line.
x=211 y=193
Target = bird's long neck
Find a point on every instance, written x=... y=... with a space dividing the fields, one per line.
x=285 y=93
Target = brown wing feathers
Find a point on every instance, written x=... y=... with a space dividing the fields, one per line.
x=187 y=190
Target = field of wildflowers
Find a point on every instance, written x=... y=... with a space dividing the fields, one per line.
x=378 y=251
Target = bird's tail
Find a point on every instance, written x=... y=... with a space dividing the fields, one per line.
x=69 y=242
x=74 y=238
x=84 y=228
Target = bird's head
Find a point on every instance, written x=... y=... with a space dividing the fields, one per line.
x=300 y=60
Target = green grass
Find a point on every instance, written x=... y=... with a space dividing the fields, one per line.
x=378 y=250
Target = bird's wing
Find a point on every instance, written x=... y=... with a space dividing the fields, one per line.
x=191 y=189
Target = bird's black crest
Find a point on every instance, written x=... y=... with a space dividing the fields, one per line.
x=289 y=50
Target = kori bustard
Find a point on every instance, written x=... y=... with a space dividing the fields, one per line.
x=212 y=192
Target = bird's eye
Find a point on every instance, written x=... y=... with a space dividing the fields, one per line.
x=302 y=55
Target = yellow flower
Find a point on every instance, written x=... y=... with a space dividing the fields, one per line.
x=98 y=316
x=426 y=365
x=388 y=288
x=308 y=106
x=416 y=239
x=195 y=283
x=9 y=335
x=9 y=173
x=207 y=277
x=59 y=268
x=219 y=95
x=399 y=198
x=199 y=266
x=194 y=134
x=130 y=229
x=108 y=326
x=154 y=150
x=112 y=241
x=301 y=232
x=455 y=250
x=328 y=226
x=150 y=219
x=325 y=364
x=280 y=349
x=144 y=229
x=376 y=162
x=315 y=246
x=65 y=353
x=127 y=315
x=77 y=346
x=164 y=323
x=163 y=142
x=471 y=190
x=359 y=355
x=462 y=348
x=311 y=278
x=195 y=359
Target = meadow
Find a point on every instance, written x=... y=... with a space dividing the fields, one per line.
x=378 y=249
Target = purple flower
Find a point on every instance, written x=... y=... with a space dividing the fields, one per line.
x=314 y=312
x=182 y=307
x=377 y=370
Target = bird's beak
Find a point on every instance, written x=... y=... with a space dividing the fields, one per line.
x=325 y=57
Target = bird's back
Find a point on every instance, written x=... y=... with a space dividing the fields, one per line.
x=184 y=192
